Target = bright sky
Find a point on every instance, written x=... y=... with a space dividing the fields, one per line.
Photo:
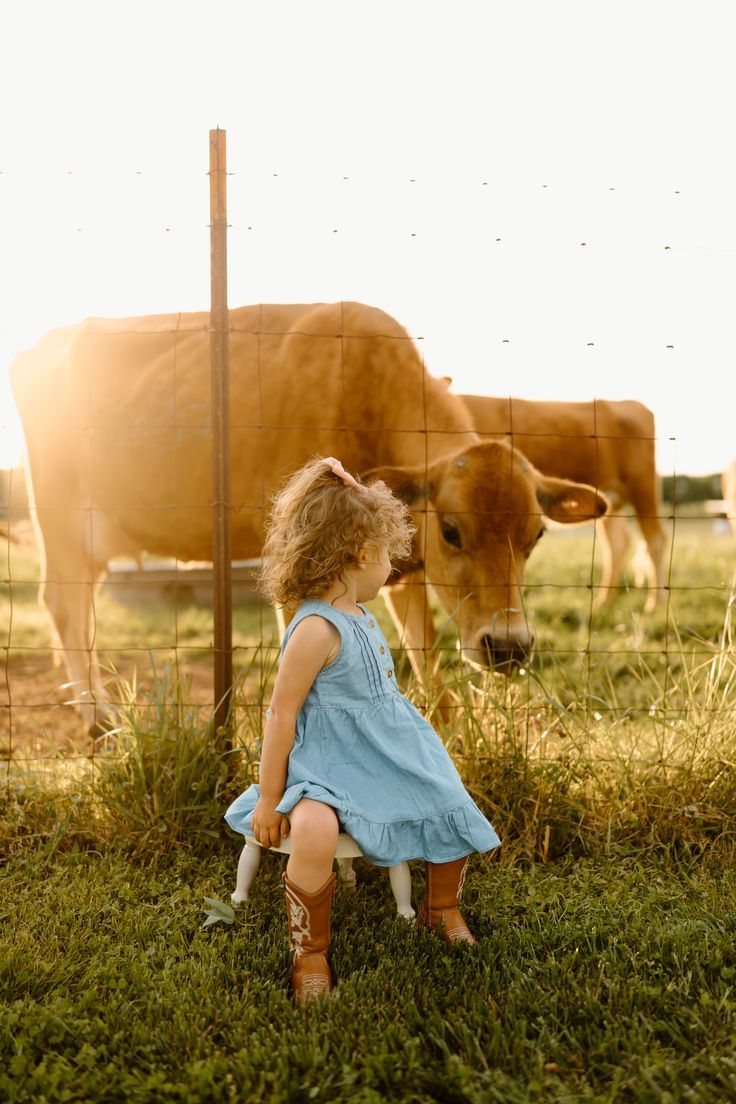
x=442 y=161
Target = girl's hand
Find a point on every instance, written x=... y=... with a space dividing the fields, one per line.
x=269 y=827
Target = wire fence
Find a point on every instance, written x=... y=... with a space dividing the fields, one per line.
x=118 y=529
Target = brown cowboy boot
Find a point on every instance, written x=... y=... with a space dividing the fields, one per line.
x=309 y=935
x=439 y=907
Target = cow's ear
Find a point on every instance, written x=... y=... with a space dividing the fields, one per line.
x=567 y=502
x=411 y=485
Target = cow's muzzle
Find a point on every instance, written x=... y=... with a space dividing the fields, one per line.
x=504 y=654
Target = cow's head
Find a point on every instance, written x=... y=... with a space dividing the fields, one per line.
x=480 y=512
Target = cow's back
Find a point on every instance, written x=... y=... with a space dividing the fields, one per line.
x=608 y=443
x=116 y=414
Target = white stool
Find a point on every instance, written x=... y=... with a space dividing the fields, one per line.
x=346 y=850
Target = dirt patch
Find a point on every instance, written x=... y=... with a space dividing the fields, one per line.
x=38 y=721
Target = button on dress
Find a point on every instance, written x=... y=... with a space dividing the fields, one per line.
x=363 y=748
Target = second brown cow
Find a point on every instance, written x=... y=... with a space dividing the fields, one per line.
x=610 y=445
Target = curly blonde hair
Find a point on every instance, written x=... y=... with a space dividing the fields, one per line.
x=317 y=526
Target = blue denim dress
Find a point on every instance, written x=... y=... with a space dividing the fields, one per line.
x=364 y=749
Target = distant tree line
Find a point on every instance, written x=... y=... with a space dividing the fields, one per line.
x=691 y=488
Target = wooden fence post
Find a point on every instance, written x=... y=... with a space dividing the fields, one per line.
x=221 y=501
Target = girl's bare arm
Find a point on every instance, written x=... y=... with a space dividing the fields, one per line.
x=314 y=643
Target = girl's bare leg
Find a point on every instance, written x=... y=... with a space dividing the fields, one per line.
x=314 y=831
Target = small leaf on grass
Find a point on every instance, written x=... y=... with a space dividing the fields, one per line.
x=217 y=911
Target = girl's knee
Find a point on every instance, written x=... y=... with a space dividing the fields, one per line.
x=310 y=814
x=314 y=825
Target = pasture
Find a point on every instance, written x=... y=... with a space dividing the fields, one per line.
x=605 y=967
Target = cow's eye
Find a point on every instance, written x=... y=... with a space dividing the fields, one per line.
x=451 y=534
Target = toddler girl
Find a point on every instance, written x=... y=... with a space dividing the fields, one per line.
x=342 y=747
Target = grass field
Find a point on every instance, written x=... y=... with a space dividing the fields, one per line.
x=605 y=967
x=603 y=980
x=616 y=659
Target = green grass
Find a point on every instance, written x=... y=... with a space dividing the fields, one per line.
x=621 y=659
x=608 y=981
x=630 y=744
x=159 y=627
x=618 y=655
x=605 y=968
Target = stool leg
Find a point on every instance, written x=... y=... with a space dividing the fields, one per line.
x=248 y=863
x=345 y=873
x=400 y=878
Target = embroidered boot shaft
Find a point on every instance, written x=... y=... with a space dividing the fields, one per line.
x=309 y=935
x=439 y=909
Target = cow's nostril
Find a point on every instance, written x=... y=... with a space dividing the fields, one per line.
x=504 y=654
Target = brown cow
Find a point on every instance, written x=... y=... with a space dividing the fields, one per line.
x=116 y=416
x=728 y=489
x=607 y=444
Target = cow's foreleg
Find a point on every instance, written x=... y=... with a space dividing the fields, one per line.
x=648 y=509
x=410 y=611
x=71 y=606
x=655 y=538
x=409 y=608
x=614 y=538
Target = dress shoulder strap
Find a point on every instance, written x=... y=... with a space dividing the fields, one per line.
x=322 y=609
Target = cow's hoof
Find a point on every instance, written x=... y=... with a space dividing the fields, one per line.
x=101 y=729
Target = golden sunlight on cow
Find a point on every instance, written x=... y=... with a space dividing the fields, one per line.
x=607 y=444
x=728 y=489
x=116 y=415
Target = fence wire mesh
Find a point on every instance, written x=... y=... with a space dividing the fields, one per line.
x=117 y=532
